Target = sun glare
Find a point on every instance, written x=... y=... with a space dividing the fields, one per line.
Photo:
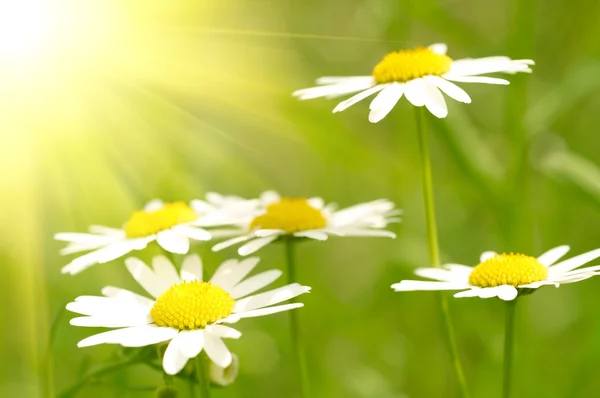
x=24 y=28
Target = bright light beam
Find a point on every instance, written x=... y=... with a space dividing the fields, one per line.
x=24 y=28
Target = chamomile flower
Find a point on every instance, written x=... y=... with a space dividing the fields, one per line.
x=420 y=74
x=171 y=225
x=505 y=275
x=185 y=310
x=309 y=218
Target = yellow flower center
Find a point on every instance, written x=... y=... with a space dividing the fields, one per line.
x=291 y=215
x=405 y=65
x=145 y=223
x=192 y=305
x=508 y=269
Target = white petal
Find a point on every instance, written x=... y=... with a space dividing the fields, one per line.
x=191 y=342
x=83 y=238
x=572 y=263
x=107 y=231
x=415 y=91
x=255 y=283
x=263 y=233
x=439 y=48
x=165 y=270
x=118 y=293
x=125 y=319
x=154 y=205
x=174 y=360
x=255 y=245
x=332 y=90
x=486 y=256
x=536 y=285
x=475 y=79
x=553 y=255
x=80 y=247
x=385 y=102
x=358 y=97
x=173 y=242
x=138 y=336
x=232 y=271
x=345 y=231
x=103 y=255
x=312 y=234
x=106 y=307
x=263 y=311
x=479 y=66
x=434 y=101
x=269 y=197
x=192 y=232
x=191 y=268
x=230 y=242
x=595 y=268
x=449 y=88
x=574 y=278
x=316 y=202
x=504 y=292
x=224 y=332
x=507 y=293
x=216 y=350
x=271 y=297
x=407 y=286
x=344 y=79
x=443 y=275
x=146 y=277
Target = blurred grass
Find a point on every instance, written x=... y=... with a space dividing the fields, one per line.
x=176 y=107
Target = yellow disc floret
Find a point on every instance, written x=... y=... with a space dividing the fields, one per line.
x=145 y=223
x=192 y=305
x=291 y=215
x=405 y=65
x=508 y=269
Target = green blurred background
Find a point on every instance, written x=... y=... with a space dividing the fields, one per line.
x=134 y=100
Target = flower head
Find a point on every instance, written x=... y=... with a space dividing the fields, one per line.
x=309 y=218
x=184 y=309
x=171 y=225
x=505 y=275
x=421 y=74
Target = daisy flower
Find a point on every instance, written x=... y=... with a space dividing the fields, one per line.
x=421 y=74
x=310 y=218
x=505 y=275
x=171 y=225
x=184 y=309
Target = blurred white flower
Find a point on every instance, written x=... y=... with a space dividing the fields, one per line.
x=171 y=225
x=505 y=275
x=186 y=310
x=419 y=74
x=309 y=218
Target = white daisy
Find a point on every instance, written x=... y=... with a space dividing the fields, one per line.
x=505 y=275
x=171 y=225
x=184 y=309
x=310 y=218
x=419 y=74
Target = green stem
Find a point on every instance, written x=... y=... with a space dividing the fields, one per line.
x=49 y=360
x=428 y=202
x=434 y=251
x=509 y=334
x=192 y=388
x=297 y=345
x=202 y=375
x=99 y=371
